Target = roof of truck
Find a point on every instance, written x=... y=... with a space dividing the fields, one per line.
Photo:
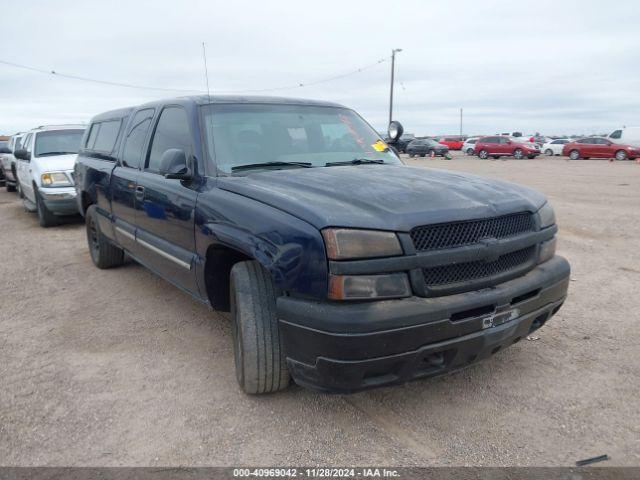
x=206 y=99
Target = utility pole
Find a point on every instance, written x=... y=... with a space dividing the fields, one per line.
x=460 y=121
x=393 y=65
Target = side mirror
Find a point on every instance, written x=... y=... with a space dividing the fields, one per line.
x=178 y=167
x=22 y=154
x=4 y=150
x=395 y=131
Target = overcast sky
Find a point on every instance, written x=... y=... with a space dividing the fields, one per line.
x=548 y=66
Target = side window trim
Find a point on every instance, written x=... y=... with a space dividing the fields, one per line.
x=149 y=143
x=130 y=126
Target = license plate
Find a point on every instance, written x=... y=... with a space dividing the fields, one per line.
x=498 y=318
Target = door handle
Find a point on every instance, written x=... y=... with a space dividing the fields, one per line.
x=139 y=192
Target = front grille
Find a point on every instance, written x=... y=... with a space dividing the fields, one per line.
x=463 y=272
x=450 y=235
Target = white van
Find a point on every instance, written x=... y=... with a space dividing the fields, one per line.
x=626 y=136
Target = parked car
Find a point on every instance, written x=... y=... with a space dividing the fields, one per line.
x=425 y=146
x=342 y=268
x=403 y=142
x=454 y=143
x=469 y=145
x=626 y=136
x=598 y=147
x=8 y=162
x=501 y=146
x=44 y=169
x=554 y=147
x=4 y=149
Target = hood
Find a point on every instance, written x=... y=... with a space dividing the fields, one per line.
x=57 y=162
x=384 y=197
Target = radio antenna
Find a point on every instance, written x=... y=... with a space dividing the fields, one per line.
x=206 y=70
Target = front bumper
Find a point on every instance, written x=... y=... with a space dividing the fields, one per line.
x=60 y=201
x=340 y=347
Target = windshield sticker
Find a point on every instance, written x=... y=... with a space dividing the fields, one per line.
x=380 y=146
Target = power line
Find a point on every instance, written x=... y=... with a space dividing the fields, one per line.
x=144 y=87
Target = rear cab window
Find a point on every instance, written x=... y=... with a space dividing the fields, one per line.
x=103 y=136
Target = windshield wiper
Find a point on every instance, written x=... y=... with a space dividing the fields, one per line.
x=53 y=153
x=355 y=161
x=250 y=166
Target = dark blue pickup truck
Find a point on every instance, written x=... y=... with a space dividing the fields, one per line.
x=342 y=268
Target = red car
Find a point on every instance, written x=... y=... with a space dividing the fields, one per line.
x=598 y=147
x=500 y=146
x=454 y=143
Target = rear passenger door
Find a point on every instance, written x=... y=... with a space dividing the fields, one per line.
x=125 y=177
x=165 y=208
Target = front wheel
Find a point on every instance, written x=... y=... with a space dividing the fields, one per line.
x=483 y=154
x=549 y=152
x=259 y=357
x=469 y=151
x=621 y=155
x=574 y=155
x=411 y=155
x=45 y=217
x=518 y=154
x=104 y=254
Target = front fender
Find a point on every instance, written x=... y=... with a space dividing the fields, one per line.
x=291 y=249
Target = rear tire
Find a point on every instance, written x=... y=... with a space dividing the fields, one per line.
x=483 y=154
x=549 y=152
x=104 y=254
x=469 y=151
x=259 y=358
x=574 y=155
x=518 y=154
x=45 y=217
x=411 y=155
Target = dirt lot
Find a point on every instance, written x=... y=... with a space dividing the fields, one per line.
x=119 y=368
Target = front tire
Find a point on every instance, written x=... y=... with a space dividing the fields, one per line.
x=45 y=217
x=621 y=155
x=483 y=154
x=574 y=155
x=549 y=152
x=104 y=254
x=469 y=151
x=518 y=154
x=411 y=155
x=259 y=357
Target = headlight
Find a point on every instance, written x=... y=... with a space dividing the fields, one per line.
x=363 y=287
x=547 y=216
x=344 y=244
x=55 y=179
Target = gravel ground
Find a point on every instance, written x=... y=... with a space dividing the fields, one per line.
x=118 y=367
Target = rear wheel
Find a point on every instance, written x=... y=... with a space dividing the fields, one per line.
x=10 y=188
x=518 y=153
x=574 y=155
x=469 y=151
x=45 y=217
x=422 y=154
x=411 y=155
x=483 y=154
x=549 y=152
x=621 y=155
x=259 y=358
x=104 y=254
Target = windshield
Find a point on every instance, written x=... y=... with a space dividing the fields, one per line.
x=246 y=134
x=58 y=142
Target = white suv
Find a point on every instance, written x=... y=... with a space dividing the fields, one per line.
x=45 y=171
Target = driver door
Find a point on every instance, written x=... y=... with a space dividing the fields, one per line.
x=165 y=209
x=23 y=169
